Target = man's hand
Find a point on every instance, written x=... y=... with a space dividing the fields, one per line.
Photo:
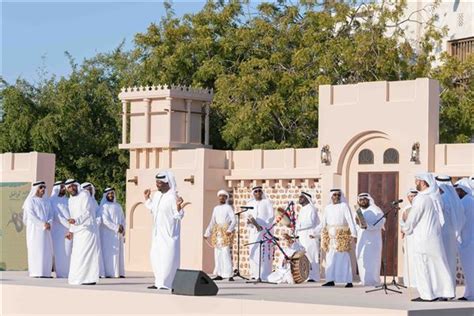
x=180 y=204
x=120 y=230
x=71 y=221
x=228 y=234
x=146 y=194
x=405 y=216
x=47 y=226
x=69 y=236
x=205 y=238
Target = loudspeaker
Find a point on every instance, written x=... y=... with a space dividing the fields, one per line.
x=193 y=282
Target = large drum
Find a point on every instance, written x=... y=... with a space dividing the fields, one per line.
x=300 y=266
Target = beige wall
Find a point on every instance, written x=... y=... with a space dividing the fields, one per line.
x=370 y=115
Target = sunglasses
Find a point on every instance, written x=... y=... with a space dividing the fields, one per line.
x=258 y=191
x=42 y=187
x=337 y=194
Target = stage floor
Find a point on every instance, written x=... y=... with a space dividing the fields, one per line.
x=24 y=295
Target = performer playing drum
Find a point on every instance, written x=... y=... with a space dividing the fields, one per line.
x=220 y=231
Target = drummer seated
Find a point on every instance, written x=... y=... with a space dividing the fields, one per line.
x=283 y=273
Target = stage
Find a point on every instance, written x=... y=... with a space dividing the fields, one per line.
x=23 y=295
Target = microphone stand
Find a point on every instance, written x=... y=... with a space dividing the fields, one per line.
x=384 y=285
x=259 y=279
x=237 y=271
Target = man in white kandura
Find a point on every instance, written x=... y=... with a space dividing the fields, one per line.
x=409 y=246
x=338 y=230
x=38 y=218
x=220 y=229
x=433 y=280
x=168 y=211
x=61 y=245
x=453 y=222
x=112 y=235
x=259 y=220
x=369 y=240
x=466 y=246
x=84 y=268
x=282 y=274
x=89 y=187
x=307 y=230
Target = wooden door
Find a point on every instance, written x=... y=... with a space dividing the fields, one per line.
x=383 y=187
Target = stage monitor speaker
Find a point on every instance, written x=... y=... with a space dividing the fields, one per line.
x=194 y=283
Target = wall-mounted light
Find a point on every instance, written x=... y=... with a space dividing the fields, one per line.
x=415 y=152
x=133 y=180
x=325 y=155
x=190 y=179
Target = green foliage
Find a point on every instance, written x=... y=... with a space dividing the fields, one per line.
x=265 y=66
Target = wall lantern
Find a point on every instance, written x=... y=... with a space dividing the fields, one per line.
x=415 y=152
x=325 y=155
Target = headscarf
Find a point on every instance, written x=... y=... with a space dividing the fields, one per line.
x=258 y=187
x=85 y=185
x=433 y=192
x=34 y=188
x=463 y=184
x=224 y=192
x=452 y=197
x=372 y=204
x=56 y=189
x=308 y=197
x=70 y=182
x=104 y=196
x=168 y=177
x=471 y=184
x=331 y=193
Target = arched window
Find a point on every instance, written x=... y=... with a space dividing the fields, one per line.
x=366 y=157
x=390 y=156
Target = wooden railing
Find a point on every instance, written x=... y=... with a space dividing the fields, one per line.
x=461 y=48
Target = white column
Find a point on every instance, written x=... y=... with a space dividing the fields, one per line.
x=206 y=125
x=188 y=121
x=147 y=120
x=124 y=122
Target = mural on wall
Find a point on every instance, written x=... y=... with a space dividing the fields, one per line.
x=12 y=229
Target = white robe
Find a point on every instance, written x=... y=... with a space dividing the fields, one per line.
x=466 y=247
x=85 y=250
x=283 y=272
x=338 y=264
x=62 y=246
x=448 y=231
x=306 y=226
x=38 y=240
x=99 y=225
x=263 y=213
x=409 y=275
x=433 y=279
x=221 y=215
x=165 y=243
x=369 y=247
x=111 y=240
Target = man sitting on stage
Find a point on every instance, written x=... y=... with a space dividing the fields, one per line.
x=337 y=230
x=283 y=273
x=220 y=229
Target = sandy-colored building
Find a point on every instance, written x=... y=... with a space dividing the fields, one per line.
x=373 y=137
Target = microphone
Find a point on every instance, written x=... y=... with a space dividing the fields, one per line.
x=396 y=202
x=247 y=207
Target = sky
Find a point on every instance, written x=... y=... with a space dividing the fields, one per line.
x=36 y=34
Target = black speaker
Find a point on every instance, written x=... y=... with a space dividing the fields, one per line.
x=194 y=283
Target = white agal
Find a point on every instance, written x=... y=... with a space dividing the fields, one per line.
x=222 y=215
x=85 y=251
x=165 y=240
